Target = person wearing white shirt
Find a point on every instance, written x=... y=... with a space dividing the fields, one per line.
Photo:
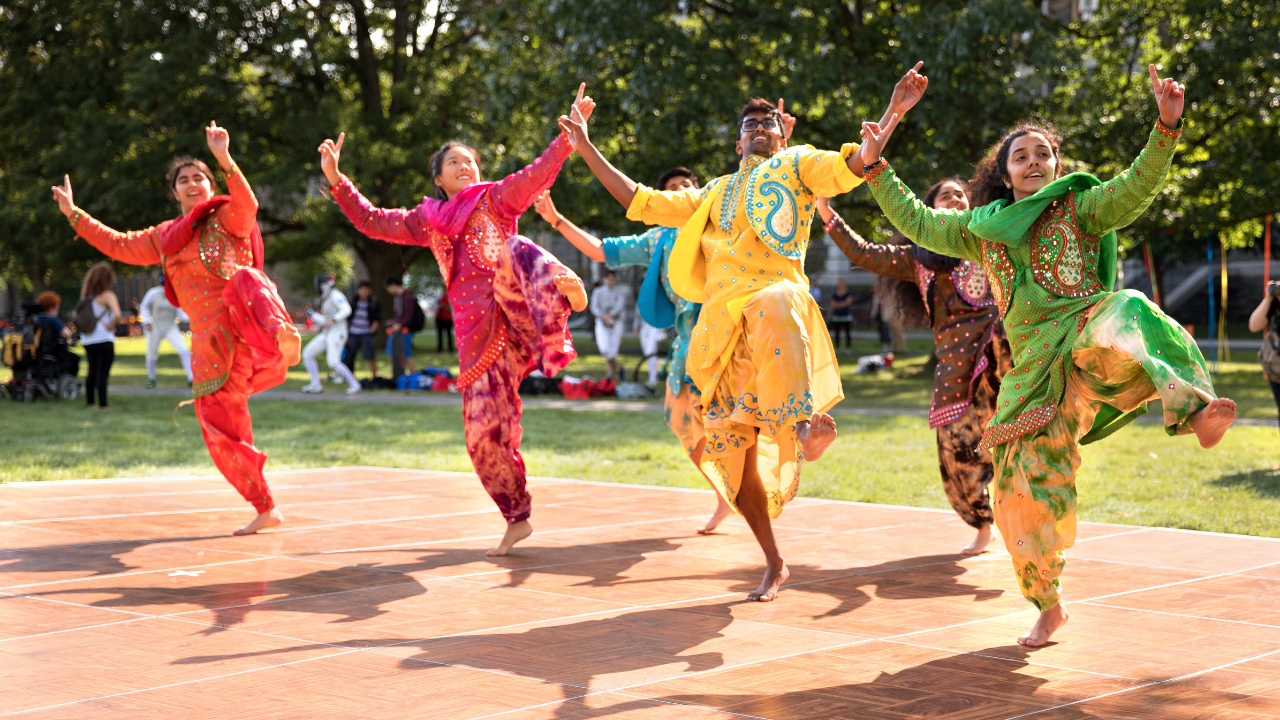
x=334 y=311
x=160 y=322
x=607 y=304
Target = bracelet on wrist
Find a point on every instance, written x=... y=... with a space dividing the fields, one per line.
x=556 y=225
x=868 y=168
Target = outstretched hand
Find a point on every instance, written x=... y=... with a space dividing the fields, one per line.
x=874 y=137
x=219 y=143
x=909 y=90
x=546 y=208
x=62 y=193
x=330 y=152
x=574 y=125
x=788 y=122
x=1169 y=98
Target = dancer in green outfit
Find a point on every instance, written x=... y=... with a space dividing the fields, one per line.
x=1086 y=360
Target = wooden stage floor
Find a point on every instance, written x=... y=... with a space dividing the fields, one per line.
x=127 y=599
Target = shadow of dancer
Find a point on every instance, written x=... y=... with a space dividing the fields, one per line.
x=581 y=657
x=986 y=683
x=232 y=602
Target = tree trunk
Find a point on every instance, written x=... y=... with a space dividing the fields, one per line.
x=370 y=87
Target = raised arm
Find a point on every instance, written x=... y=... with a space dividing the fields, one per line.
x=942 y=231
x=402 y=227
x=238 y=216
x=136 y=247
x=621 y=187
x=516 y=192
x=585 y=242
x=1119 y=201
x=892 y=261
x=399 y=226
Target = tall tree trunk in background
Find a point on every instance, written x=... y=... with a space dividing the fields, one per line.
x=367 y=62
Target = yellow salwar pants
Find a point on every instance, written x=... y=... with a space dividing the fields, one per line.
x=684 y=417
x=780 y=368
x=1118 y=365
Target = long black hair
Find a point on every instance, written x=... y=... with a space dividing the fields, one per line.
x=436 y=163
x=991 y=178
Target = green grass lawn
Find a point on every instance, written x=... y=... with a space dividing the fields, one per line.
x=906 y=386
x=1139 y=476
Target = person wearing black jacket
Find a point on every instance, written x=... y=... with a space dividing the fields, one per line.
x=366 y=315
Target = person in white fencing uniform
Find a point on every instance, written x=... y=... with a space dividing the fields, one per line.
x=160 y=322
x=607 y=304
x=650 y=336
x=332 y=320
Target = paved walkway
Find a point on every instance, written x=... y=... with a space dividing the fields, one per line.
x=128 y=599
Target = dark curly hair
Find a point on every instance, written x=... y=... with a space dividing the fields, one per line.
x=992 y=174
x=757 y=105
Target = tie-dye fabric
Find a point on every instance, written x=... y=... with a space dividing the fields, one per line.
x=1121 y=360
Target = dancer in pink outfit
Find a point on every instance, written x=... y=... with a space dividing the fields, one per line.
x=511 y=299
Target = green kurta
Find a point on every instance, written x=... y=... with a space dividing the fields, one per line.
x=1050 y=259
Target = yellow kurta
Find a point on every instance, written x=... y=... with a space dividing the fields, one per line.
x=760 y=351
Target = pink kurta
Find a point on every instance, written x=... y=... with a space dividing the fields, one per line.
x=468 y=258
x=508 y=313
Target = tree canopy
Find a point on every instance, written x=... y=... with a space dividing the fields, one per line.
x=108 y=91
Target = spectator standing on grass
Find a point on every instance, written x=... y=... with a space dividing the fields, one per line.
x=607 y=304
x=160 y=322
x=96 y=318
x=842 y=315
x=401 y=320
x=1266 y=320
x=366 y=315
x=444 y=323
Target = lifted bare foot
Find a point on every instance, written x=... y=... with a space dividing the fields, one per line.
x=290 y=344
x=816 y=435
x=268 y=519
x=979 y=544
x=722 y=511
x=1211 y=422
x=570 y=286
x=1047 y=624
x=773 y=579
x=515 y=533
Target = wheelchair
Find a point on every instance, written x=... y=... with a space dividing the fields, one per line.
x=42 y=362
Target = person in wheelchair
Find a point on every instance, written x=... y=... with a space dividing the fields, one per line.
x=54 y=351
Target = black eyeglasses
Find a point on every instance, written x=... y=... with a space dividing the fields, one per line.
x=751 y=124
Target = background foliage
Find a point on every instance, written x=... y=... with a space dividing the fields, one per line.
x=108 y=90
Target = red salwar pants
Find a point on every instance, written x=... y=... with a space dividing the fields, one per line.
x=537 y=336
x=264 y=343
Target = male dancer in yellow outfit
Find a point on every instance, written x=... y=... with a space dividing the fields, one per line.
x=760 y=351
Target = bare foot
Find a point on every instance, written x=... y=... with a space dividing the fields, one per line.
x=1048 y=623
x=979 y=544
x=514 y=534
x=1211 y=422
x=570 y=286
x=816 y=435
x=722 y=511
x=773 y=579
x=290 y=344
x=268 y=519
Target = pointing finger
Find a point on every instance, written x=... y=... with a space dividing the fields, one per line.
x=341 y=136
x=918 y=66
x=1155 y=80
x=581 y=89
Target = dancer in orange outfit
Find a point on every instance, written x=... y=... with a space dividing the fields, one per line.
x=242 y=339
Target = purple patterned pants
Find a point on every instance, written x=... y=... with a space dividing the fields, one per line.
x=537 y=336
